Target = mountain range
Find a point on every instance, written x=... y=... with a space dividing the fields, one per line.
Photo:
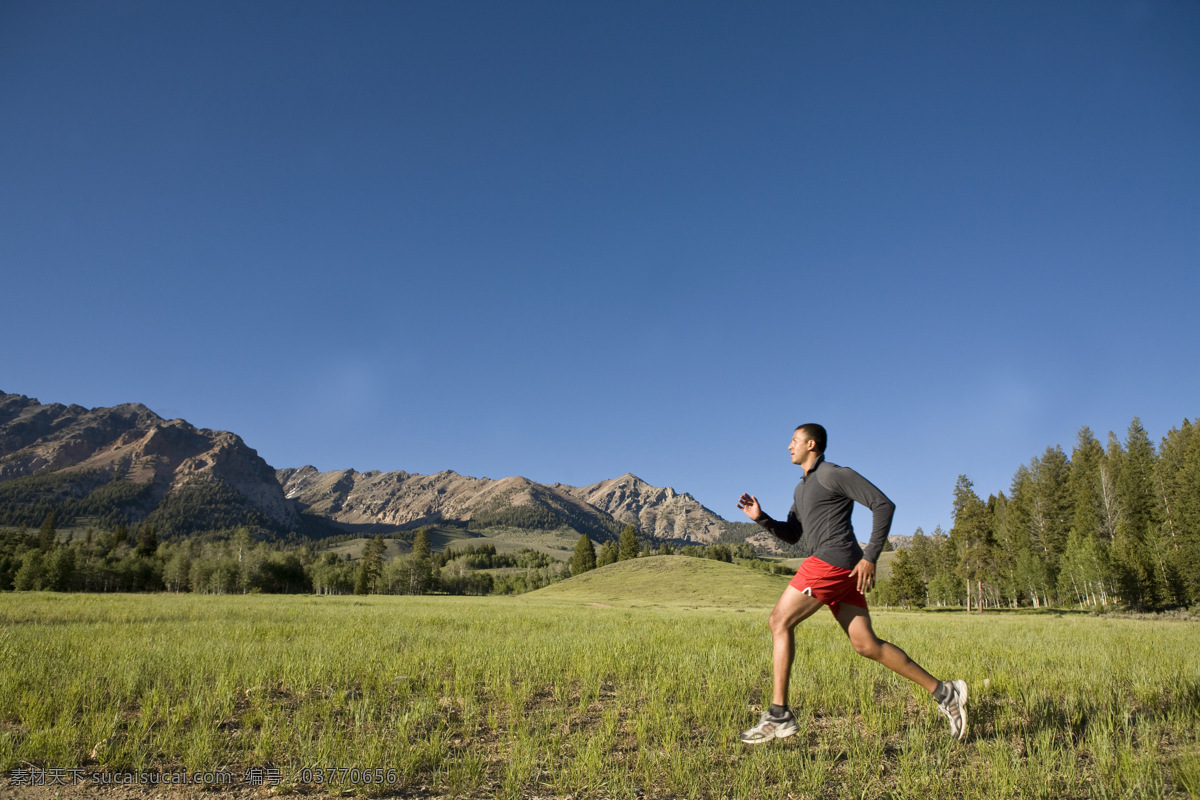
x=126 y=464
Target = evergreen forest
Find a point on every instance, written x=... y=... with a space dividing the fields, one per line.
x=1113 y=526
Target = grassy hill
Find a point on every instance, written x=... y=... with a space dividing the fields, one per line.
x=669 y=581
x=439 y=539
x=558 y=544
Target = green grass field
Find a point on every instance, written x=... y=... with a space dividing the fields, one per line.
x=630 y=681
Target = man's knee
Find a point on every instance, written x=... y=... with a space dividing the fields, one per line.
x=868 y=647
x=784 y=619
x=779 y=622
x=793 y=607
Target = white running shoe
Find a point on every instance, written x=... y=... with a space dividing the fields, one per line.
x=955 y=709
x=770 y=727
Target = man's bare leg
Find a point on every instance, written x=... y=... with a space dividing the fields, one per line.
x=856 y=622
x=794 y=607
x=778 y=722
x=951 y=696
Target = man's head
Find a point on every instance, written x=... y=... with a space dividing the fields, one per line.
x=808 y=438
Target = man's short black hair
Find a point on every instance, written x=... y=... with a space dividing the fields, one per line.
x=815 y=432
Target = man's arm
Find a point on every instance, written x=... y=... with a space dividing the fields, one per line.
x=862 y=491
x=787 y=531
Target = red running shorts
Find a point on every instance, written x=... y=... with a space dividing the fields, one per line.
x=827 y=583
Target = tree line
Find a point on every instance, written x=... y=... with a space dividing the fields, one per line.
x=134 y=559
x=1114 y=525
x=126 y=559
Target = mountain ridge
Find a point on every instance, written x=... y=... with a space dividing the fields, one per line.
x=160 y=461
x=404 y=499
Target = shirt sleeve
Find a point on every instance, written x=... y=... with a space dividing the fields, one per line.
x=787 y=531
x=862 y=491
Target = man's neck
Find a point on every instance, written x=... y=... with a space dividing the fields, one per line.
x=810 y=462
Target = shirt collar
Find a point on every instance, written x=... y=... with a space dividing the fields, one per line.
x=816 y=464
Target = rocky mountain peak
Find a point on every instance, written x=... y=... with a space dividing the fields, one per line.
x=131 y=443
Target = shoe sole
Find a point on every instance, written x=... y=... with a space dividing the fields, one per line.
x=961 y=686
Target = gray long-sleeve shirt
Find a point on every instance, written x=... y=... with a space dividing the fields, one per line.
x=820 y=515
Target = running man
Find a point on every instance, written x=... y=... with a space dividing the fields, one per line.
x=836 y=573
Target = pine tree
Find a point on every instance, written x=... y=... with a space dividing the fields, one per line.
x=627 y=544
x=1084 y=571
x=1010 y=534
x=371 y=566
x=1187 y=510
x=1190 y=516
x=1136 y=551
x=1052 y=504
x=923 y=558
x=147 y=542
x=972 y=537
x=1177 y=490
x=1031 y=528
x=1085 y=485
x=48 y=535
x=419 y=564
x=584 y=558
x=907 y=584
x=944 y=586
x=1110 y=466
x=608 y=554
x=420 y=545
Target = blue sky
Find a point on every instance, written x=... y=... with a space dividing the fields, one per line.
x=573 y=240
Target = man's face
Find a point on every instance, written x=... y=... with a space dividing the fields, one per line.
x=799 y=448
